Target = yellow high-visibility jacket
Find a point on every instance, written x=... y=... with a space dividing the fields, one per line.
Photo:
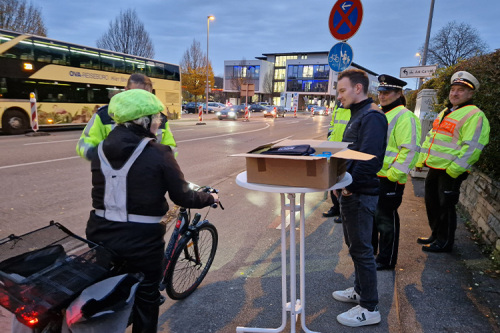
x=101 y=124
x=403 y=144
x=455 y=142
x=340 y=119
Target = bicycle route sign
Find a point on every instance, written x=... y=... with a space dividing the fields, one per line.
x=345 y=19
x=340 y=57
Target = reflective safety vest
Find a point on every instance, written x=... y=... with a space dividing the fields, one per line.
x=101 y=124
x=455 y=142
x=340 y=119
x=403 y=138
x=115 y=189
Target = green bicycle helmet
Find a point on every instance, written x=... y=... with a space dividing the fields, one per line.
x=133 y=104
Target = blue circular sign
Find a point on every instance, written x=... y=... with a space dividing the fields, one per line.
x=340 y=57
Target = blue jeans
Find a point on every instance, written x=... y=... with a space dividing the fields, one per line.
x=357 y=211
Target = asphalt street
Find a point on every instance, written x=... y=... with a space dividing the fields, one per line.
x=42 y=180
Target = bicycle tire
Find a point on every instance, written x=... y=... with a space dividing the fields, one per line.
x=183 y=275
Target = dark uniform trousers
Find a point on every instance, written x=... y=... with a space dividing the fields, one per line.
x=386 y=228
x=441 y=197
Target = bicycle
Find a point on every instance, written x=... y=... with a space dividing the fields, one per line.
x=190 y=251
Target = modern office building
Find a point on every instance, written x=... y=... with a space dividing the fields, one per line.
x=279 y=77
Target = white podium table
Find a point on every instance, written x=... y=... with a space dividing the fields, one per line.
x=296 y=306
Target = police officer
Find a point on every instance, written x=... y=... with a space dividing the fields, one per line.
x=131 y=174
x=102 y=123
x=452 y=146
x=340 y=119
x=401 y=155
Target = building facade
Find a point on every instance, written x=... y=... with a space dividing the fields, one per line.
x=277 y=77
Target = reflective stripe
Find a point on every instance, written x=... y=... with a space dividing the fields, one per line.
x=450 y=145
x=449 y=157
x=85 y=146
x=133 y=217
x=115 y=189
x=389 y=153
x=394 y=121
x=344 y=122
x=473 y=145
x=405 y=166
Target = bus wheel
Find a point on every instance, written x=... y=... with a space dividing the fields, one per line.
x=15 y=122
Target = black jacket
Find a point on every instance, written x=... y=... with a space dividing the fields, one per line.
x=154 y=173
x=367 y=133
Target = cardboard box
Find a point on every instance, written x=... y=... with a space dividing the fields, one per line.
x=300 y=171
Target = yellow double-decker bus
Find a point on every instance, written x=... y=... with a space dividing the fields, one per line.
x=70 y=81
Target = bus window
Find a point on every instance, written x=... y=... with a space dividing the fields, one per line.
x=84 y=58
x=97 y=94
x=22 y=50
x=172 y=72
x=53 y=92
x=54 y=53
x=112 y=63
x=133 y=65
x=154 y=69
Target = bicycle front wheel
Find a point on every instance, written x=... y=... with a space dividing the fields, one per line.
x=191 y=261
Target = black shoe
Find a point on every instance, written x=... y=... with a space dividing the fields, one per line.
x=384 y=267
x=331 y=212
x=435 y=247
x=162 y=299
x=337 y=219
x=423 y=240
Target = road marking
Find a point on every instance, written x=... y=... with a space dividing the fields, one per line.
x=221 y=135
x=39 y=162
x=69 y=158
x=41 y=143
x=187 y=129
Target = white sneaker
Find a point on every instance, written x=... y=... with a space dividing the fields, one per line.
x=348 y=295
x=359 y=316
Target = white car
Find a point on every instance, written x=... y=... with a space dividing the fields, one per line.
x=215 y=107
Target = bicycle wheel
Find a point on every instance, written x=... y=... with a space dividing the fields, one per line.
x=185 y=272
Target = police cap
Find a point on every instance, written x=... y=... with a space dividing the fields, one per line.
x=387 y=82
x=466 y=79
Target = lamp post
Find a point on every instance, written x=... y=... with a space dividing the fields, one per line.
x=209 y=18
x=419 y=63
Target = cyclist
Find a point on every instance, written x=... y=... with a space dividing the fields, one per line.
x=131 y=174
x=101 y=123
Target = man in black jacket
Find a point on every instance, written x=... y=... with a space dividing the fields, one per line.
x=131 y=174
x=366 y=132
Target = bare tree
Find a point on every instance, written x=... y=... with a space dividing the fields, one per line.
x=17 y=15
x=194 y=70
x=453 y=42
x=268 y=84
x=127 y=34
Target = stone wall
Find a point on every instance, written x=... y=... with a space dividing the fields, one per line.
x=480 y=200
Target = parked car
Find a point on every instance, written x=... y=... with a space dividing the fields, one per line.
x=274 y=111
x=309 y=106
x=214 y=107
x=232 y=112
x=192 y=107
x=263 y=103
x=257 y=108
x=321 y=111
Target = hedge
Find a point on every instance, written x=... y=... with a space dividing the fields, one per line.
x=486 y=69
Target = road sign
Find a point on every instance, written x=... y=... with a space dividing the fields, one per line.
x=247 y=90
x=417 y=71
x=340 y=57
x=345 y=19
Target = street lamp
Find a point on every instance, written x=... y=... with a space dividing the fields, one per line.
x=417 y=85
x=209 y=18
